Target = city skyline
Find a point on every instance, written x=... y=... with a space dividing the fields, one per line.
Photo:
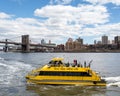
x=104 y=40
x=58 y=20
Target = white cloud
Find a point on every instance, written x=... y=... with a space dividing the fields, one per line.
x=116 y=2
x=68 y=21
x=87 y=14
x=4 y=15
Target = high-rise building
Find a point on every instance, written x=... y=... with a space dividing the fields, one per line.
x=99 y=42
x=104 y=39
x=60 y=47
x=43 y=41
x=76 y=45
x=73 y=45
x=69 y=44
x=117 y=39
x=95 y=42
x=49 y=41
x=80 y=40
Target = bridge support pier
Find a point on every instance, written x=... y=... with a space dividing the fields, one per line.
x=25 y=43
x=5 y=49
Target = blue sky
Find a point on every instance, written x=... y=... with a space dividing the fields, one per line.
x=58 y=20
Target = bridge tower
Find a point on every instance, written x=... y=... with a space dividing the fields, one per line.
x=6 y=46
x=25 y=43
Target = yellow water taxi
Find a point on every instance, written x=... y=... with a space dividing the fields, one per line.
x=59 y=73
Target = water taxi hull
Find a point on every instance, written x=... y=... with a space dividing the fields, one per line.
x=68 y=82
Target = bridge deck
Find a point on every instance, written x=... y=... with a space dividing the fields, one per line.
x=18 y=43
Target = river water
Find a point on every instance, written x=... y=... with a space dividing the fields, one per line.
x=14 y=67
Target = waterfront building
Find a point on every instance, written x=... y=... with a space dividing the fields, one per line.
x=104 y=39
x=49 y=41
x=117 y=39
x=99 y=42
x=76 y=45
x=60 y=47
x=43 y=41
x=80 y=40
x=69 y=44
x=95 y=42
x=73 y=45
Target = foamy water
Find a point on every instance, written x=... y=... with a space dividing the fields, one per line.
x=13 y=72
x=113 y=81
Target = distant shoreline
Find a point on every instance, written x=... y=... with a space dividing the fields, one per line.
x=66 y=52
x=113 y=51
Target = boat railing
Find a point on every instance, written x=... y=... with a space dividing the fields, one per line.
x=74 y=64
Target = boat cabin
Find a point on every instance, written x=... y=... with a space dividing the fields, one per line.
x=56 y=62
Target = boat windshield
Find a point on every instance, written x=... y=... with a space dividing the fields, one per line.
x=56 y=63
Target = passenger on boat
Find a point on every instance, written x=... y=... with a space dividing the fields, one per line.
x=58 y=63
x=67 y=64
x=81 y=65
x=84 y=63
x=52 y=63
x=78 y=65
x=74 y=63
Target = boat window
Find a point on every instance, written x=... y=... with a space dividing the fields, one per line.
x=55 y=73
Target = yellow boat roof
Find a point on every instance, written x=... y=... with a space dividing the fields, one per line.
x=57 y=59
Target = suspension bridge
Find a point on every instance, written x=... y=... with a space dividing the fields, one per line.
x=26 y=45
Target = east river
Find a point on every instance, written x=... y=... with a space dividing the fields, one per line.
x=14 y=67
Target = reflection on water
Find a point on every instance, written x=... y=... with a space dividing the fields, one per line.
x=64 y=90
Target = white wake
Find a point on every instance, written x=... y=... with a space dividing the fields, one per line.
x=13 y=72
x=113 y=81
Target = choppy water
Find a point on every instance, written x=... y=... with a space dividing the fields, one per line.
x=14 y=67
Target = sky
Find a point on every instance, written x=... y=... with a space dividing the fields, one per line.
x=58 y=20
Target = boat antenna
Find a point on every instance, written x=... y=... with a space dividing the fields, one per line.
x=90 y=63
x=84 y=63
